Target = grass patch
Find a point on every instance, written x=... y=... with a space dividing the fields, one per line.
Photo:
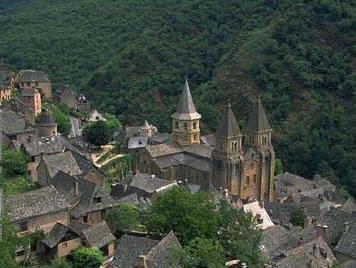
x=117 y=168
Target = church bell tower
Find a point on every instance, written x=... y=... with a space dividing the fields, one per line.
x=186 y=129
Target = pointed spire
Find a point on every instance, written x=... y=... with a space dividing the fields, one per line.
x=258 y=120
x=145 y=124
x=186 y=108
x=228 y=125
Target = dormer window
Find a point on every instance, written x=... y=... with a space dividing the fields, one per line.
x=97 y=199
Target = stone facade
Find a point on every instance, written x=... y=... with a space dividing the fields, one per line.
x=242 y=163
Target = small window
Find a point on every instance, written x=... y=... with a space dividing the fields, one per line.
x=185 y=126
x=248 y=180
x=22 y=84
x=28 y=84
x=64 y=245
x=36 y=83
x=195 y=137
x=97 y=199
x=85 y=218
x=23 y=226
x=177 y=125
x=194 y=125
x=20 y=253
x=234 y=145
x=254 y=178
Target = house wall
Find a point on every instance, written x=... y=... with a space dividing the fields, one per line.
x=95 y=176
x=45 y=222
x=43 y=177
x=5 y=94
x=65 y=248
x=94 y=217
x=45 y=87
x=111 y=248
x=68 y=99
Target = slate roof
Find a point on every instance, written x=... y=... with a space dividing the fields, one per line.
x=55 y=235
x=87 y=192
x=29 y=92
x=201 y=150
x=39 y=202
x=147 y=183
x=347 y=242
x=160 y=138
x=228 y=125
x=131 y=199
x=258 y=120
x=349 y=264
x=31 y=76
x=277 y=240
x=12 y=123
x=85 y=164
x=46 y=118
x=184 y=160
x=349 y=206
x=129 y=248
x=186 y=108
x=61 y=161
x=208 y=140
x=158 y=253
x=255 y=209
x=98 y=235
x=163 y=149
x=137 y=142
x=307 y=255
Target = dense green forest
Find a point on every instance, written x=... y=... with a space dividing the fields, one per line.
x=131 y=57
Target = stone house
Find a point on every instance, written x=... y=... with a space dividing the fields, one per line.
x=345 y=249
x=35 y=79
x=83 y=105
x=95 y=116
x=138 y=252
x=263 y=220
x=6 y=85
x=32 y=97
x=46 y=125
x=36 y=210
x=89 y=201
x=143 y=185
x=68 y=97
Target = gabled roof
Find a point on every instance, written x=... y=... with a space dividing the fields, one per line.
x=12 y=123
x=258 y=120
x=256 y=209
x=349 y=206
x=39 y=202
x=347 y=243
x=61 y=161
x=55 y=235
x=158 y=253
x=98 y=235
x=46 y=118
x=228 y=126
x=31 y=76
x=186 y=108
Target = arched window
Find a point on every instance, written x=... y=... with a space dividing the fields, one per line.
x=177 y=125
x=234 y=145
x=254 y=178
x=194 y=125
x=248 y=180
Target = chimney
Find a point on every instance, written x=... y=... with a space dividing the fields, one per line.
x=76 y=188
x=316 y=251
x=308 y=222
x=226 y=192
x=347 y=226
x=321 y=230
x=142 y=262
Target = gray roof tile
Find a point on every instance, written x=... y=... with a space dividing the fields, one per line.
x=258 y=120
x=228 y=125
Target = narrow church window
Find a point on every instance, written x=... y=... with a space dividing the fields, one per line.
x=185 y=126
x=264 y=140
x=248 y=180
x=177 y=125
x=254 y=178
x=195 y=137
x=194 y=125
x=234 y=145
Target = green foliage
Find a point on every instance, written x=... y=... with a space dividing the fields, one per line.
x=16 y=185
x=58 y=263
x=97 y=133
x=112 y=121
x=297 y=55
x=87 y=258
x=189 y=216
x=122 y=218
x=62 y=120
x=8 y=244
x=298 y=216
x=200 y=253
x=278 y=167
x=118 y=167
x=14 y=163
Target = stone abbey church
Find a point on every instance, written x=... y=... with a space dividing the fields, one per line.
x=241 y=162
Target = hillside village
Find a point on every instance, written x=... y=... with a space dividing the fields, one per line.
x=74 y=183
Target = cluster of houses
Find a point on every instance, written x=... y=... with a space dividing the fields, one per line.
x=70 y=202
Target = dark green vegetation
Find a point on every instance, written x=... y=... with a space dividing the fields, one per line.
x=87 y=258
x=298 y=216
x=98 y=133
x=132 y=57
x=211 y=234
x=122 y=218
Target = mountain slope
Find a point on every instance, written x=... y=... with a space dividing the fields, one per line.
x=132 y=58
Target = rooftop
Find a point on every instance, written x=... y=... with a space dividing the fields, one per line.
x=32 y=75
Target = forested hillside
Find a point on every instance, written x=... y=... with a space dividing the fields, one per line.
x=132 y=58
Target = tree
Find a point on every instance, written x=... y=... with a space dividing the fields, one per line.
x=239 y=236
x=297 y=216
x=200 y=253
x=58 y=263
x=87 y=258
x=62 y=120
x=112 y=121
x=14 y=163
x=122 y=218
x=188 y=215
x=97 y=133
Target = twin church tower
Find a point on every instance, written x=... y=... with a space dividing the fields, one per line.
x=241 y=162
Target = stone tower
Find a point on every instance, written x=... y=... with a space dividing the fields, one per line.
x=186 y=129
x=46 y=125
x=227 y=158
x=259 y=156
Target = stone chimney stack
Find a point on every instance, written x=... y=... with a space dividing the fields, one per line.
x=76 y=188
x=142 y=262
x=308 y=222
x=321 y=230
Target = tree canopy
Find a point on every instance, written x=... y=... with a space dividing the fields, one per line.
x=97 y=133
x=87 y=258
